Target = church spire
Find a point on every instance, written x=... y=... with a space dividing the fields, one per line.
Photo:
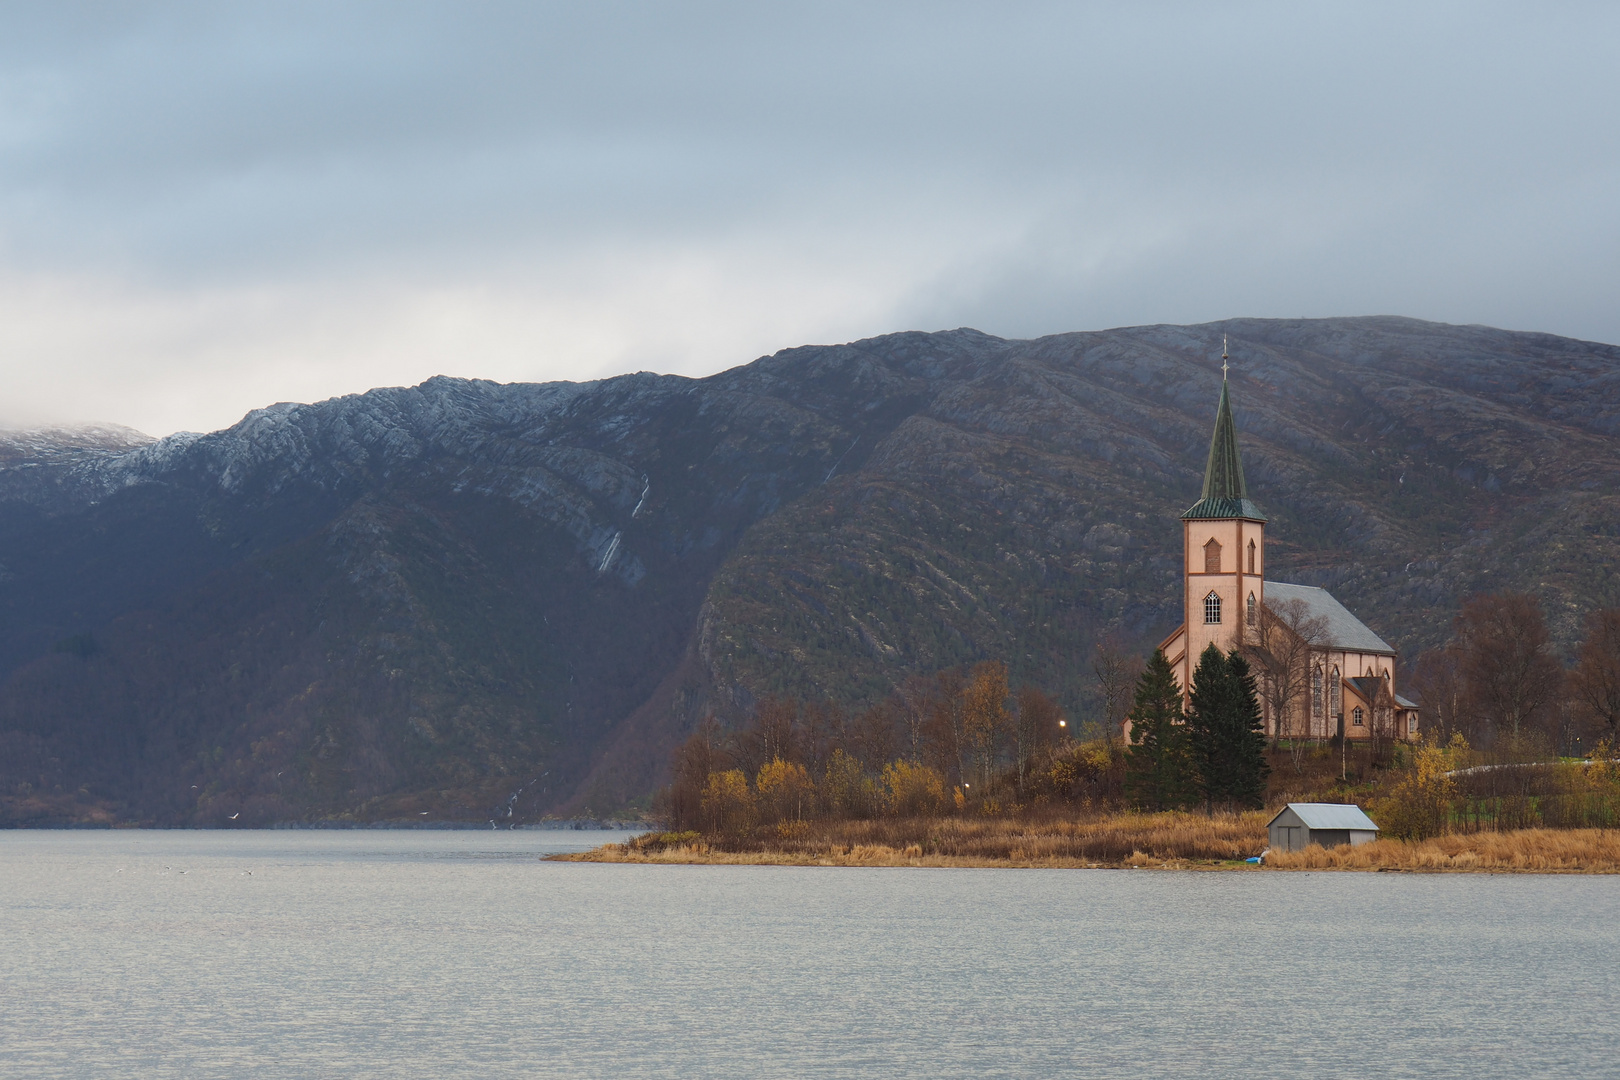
x=1225 y=494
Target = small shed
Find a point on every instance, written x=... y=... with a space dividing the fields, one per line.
x=1328 y=824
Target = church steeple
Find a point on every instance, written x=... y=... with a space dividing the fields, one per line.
x=1225 y=493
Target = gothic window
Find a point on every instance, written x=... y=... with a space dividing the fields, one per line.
x=1316 y=694
x=1251 y=557
x=1254 y=614
x=1411 y=725
x=1212 y=557
x=1212 y=609
x=1334 y=706
x=1358 y=717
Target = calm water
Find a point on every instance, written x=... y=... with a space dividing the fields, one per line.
x=419 y=954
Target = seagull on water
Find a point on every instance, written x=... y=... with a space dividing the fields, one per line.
x=234 y=816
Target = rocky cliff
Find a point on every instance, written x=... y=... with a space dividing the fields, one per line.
x=479 y=601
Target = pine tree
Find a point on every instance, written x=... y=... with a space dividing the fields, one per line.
x=1209 y=701
x=1157 y=765
x=1248 y=768
x=1227 y=735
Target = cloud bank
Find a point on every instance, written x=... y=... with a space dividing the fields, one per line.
x=205 y=209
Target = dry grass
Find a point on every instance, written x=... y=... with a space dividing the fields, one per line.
x=1107 y=840
x=1537 y=851
x=1169 y=840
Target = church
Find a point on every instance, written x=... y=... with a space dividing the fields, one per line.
x=1321 y=671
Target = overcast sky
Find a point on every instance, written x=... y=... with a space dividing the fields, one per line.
x=205 y=209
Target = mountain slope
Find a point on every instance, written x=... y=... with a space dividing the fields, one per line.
x=470 y=600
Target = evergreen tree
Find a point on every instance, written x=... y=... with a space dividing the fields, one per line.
x=1247 y=766
x=1157 y=765
x=1208 y=705
x=1225 y=730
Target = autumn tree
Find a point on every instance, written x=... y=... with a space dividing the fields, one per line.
x=774 y=730
x=785 y=790
x=1509 y=672
x=911 y=790
x=1035 y=728
x=728 y=803
x=1226 y=732
x=846 y=791
x=946 y=739
x=1158 y=765
x=701 y=754
x=1595 y=682
x=984 y=715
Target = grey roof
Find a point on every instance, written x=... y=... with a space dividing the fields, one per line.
x=1326 y=815
x=1405 y=702
x=1342 y=630
x=1225 y=495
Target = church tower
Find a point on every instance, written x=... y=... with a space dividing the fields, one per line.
x=1223 y=550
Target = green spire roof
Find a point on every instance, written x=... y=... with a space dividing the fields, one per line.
x=1225 y=493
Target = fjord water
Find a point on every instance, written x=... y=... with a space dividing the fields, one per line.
x=462 y=954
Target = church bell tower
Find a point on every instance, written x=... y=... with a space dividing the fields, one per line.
x=1224 y=549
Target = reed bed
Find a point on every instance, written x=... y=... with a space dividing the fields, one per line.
x=1538 y=851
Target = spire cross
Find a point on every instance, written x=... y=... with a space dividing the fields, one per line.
x=1223 y=357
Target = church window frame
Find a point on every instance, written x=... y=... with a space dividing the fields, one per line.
x=1316 y=693
x=1335 y=704
x=1251 y=557
x=1212 y=557
x=1254 y=611
x=1212 y=609
x=1357 y=717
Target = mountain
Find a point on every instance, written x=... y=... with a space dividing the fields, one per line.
x=472 y=601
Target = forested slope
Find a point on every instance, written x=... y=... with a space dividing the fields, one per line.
x=466 y=599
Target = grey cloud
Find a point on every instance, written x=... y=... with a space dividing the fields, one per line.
x=1028 y=167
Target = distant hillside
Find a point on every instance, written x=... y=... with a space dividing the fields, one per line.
x=464 y=600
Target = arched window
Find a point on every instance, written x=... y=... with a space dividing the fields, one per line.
x=1335 y=708
x=1316 y=693
x=1212 y=609
x=1254 y=613
x=1212 y=557
x=1358 y=717
x=1251 y=557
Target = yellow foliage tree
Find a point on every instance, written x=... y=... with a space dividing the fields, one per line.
x=728 y=804
x=912 y=790
x=985 y=715
x=785 y=790
x=846 y=789
x=1420 y=805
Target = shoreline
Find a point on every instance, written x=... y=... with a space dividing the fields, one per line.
x=1525 y=851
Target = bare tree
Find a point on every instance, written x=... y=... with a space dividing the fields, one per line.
x=1508 y=669
x=1116 y=671
x=1281 y=648
x=1037 y=727
x=1595 y=682
x=1437 y=680
x=917 y=695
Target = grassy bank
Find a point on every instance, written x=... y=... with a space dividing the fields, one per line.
x=1167 y=840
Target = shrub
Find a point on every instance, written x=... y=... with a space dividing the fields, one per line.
x=1420 y=805
x=912 y=790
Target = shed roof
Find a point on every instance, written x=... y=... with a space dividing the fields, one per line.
x=1321 y=815
x=1342 y=629
x=1405 y=702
